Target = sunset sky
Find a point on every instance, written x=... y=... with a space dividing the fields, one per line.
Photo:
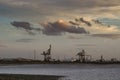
x=68 y=25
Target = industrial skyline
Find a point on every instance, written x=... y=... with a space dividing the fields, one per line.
x=80 y=57
x=68 y=25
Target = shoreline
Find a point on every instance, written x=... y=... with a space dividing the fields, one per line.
x=28 y=77
x=37 y=62
x=90 y=64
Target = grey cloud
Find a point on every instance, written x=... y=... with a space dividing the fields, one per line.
x=74 y=37
x=110 y=36
x=68 y=2
x=82 y=4
x=86 y=45
x=15 y=11
x=25 y=40
x=89 y=23
x=60 y=27
x=23 y=9
x=1 y=45
x=26 y=26
x=74 y=23
x=50 y=28
x=86 y=22
x=43 y=8
x=82 y=20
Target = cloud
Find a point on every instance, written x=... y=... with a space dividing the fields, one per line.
x=40 y=9
x=83 y=25
x=26 y=26
x=60 y=27
x=86 y=45
x=8 y=6
x=25 y=40
x=1 y=45
x=74 y=37
x=88 y=3
x=110 y=36
x=79 y=21
x=95 y=26
x=110 y=21
x=64 y=3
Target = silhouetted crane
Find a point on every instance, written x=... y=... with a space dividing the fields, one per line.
x=88 y=58
x=81 y=56
x=47 y=54
x=101 y=58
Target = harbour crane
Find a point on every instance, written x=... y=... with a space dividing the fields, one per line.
x=81 y=56
x=47 y=54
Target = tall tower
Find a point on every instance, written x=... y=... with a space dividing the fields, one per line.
x=49 y=53
x=49 y=50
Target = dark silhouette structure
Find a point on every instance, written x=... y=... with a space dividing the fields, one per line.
x=102 y=59
x=47 y=54
x=88 y=58
x=81 y=56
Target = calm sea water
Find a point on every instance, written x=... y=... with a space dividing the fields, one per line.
x=71 y=71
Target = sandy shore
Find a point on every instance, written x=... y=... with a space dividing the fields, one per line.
x=28 y=77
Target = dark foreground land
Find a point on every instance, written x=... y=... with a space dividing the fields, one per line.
x=28 y=77
x=56 y=62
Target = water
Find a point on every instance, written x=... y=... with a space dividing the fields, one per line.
x=71 y=71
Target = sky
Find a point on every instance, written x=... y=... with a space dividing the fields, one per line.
x=68 y=25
